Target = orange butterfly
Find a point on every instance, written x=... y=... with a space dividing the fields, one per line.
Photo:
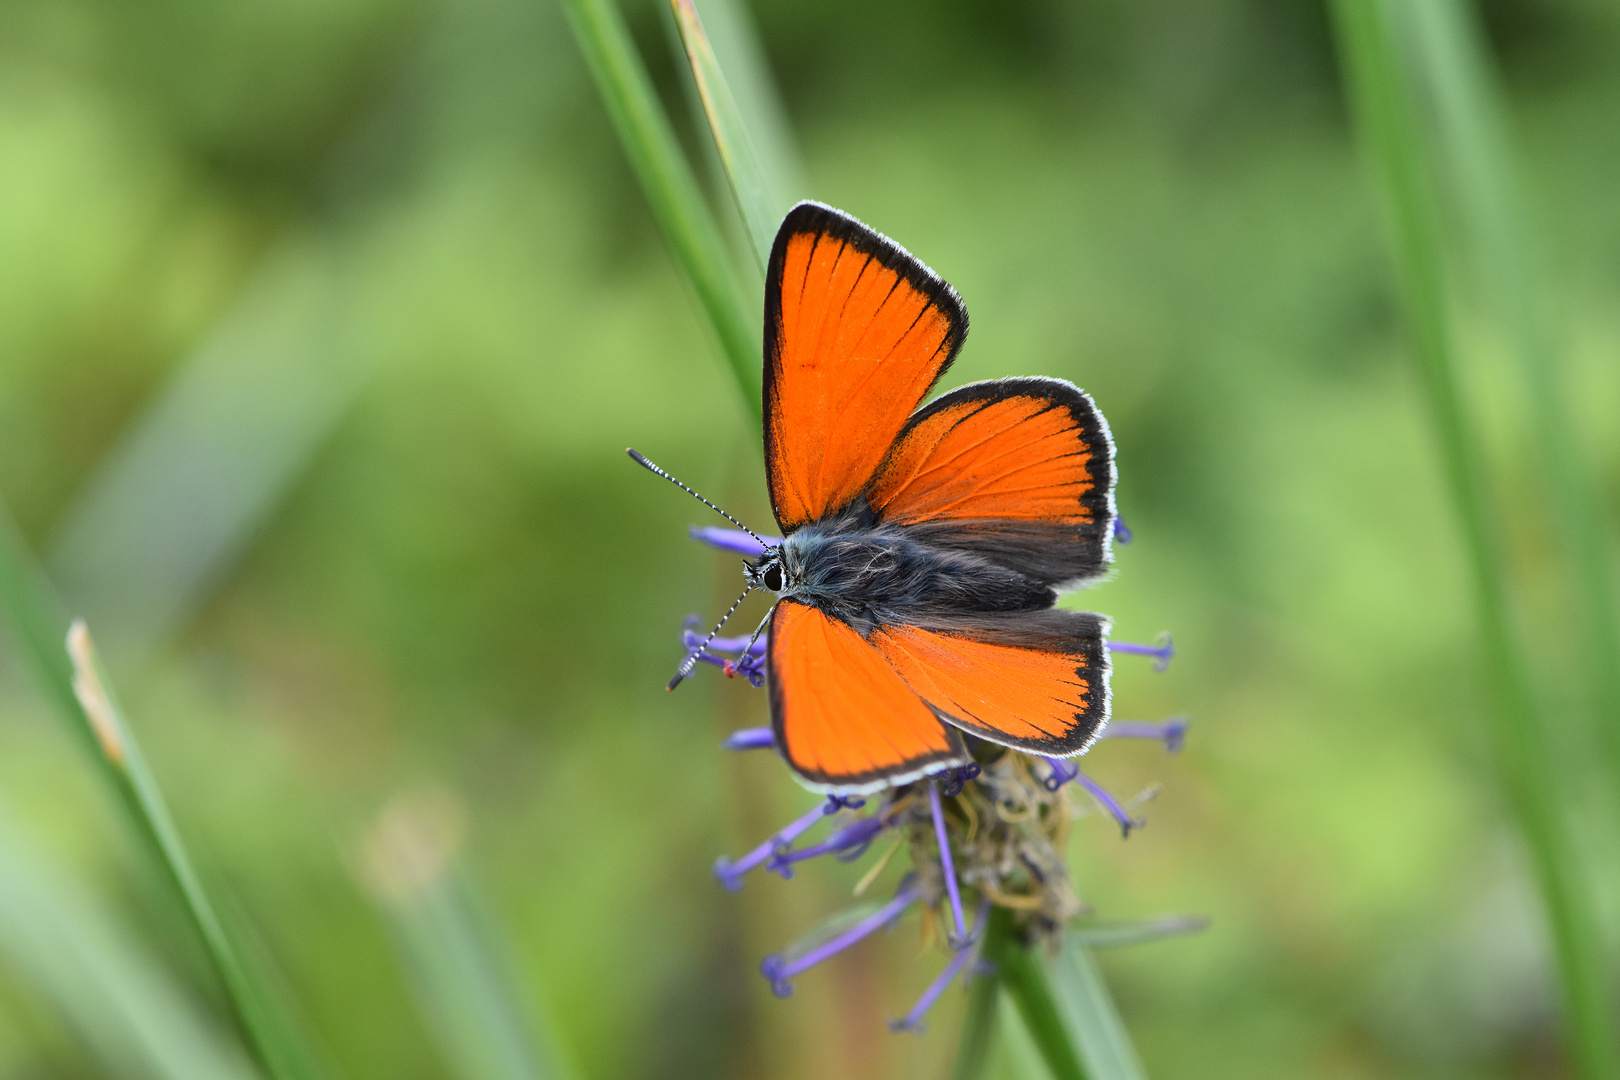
x=923 y=547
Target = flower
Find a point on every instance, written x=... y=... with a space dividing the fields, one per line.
x=990 y=834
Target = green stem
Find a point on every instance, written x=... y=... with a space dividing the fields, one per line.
x=1448 y=51
x=1387 y=114
x=667 y=180
x=80 y=690
x=978 y=1028
x=1025 y=976
x=760 y=208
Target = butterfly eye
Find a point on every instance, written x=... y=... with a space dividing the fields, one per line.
x=773 y=577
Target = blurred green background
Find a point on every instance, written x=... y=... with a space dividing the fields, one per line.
x=323 y=327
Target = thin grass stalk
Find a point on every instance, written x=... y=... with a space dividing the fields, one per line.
x=666 y=178
x=459 y=961
x=1388 y=119
x=79 y=689
x=61 y=943
x=1105 y=1046
x=1446 y=47
x=734 y=33
x=978 y=1027
x=758 y=203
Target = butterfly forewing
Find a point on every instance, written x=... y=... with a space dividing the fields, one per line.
x=856 y=332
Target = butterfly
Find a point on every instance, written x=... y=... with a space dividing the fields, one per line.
x=924 y=546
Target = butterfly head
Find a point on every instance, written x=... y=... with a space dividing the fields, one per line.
x=772 y=570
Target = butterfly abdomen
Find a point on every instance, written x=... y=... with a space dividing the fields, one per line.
x=881 y=575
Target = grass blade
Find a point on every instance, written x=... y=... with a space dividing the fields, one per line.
x=1113 y=935
x=76 y=684
x=1030 y=988
x=1448 y=52
x=127 y=1009
x=178 y=498
x=175 y=504
x=1019 y=1057
x=758 y=202
x=1390 y=130
x=978 y=1028
x=666 y=178
x=1104 y=1044
x=735 y=39
x=467 y=992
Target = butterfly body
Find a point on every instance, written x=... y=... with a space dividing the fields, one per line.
x=924 y=545
x=869 y=574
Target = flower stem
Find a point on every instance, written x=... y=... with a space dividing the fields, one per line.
x=1021 y=970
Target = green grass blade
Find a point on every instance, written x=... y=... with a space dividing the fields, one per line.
x=978 y=1028
x=759 y=204
x=1448 y=52
x=666 y=178
x=1390 y=130
x=735 y=38
x=175 y=502
x=1105 y=1046
x=76 y=684
x=466 y=990
x=1113 y=935
x=129 y=1012
x=181 y=496
x=1029 y=986
x=1017 y=1054
x=1066 y=1008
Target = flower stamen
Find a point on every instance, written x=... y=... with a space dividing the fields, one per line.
x=1172 y=732
x=736 y=540
x=1162 y=651
x=912 y=1021
x=1110 y=804
x=781 y=971
x=731 y=872
x=848 y=843
x=750 y=738
x=947 y=865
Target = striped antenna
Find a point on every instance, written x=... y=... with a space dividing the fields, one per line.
x=697 y=654
x=635 y=455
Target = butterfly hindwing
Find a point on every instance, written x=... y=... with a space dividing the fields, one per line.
x=1020 y=471
x=1037 y=681
x=844 y=719
x=856 y=333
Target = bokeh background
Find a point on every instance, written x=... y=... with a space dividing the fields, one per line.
x=323 y=327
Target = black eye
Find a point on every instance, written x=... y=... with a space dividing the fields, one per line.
x=773 y=578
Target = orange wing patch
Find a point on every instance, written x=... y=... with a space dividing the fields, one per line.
x=856 y=332
x=1018 y=470
x=1018 y=452
x=843 y=719
x=1040 y=687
